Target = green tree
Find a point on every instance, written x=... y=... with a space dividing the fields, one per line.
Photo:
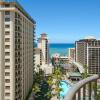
x=40 y=85
x=43 y=85
x=54 y=82
x=85 y=74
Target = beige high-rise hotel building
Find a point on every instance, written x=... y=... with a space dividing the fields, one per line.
x=88 y=54
x=16 y=51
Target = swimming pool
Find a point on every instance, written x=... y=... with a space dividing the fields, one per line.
x=65 y=86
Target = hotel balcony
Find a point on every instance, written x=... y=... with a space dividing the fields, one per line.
x=85 y=89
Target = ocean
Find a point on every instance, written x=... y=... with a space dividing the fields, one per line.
x=61 y=48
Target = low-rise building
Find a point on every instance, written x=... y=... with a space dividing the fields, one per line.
x=74 y=76
x=38 y=56
x=60 y=60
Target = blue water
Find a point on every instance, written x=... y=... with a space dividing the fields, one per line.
x=65 y=86
x=61 y=48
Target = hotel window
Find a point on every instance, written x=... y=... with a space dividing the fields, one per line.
x=18 y=46
x=15 y=28
x=7 y=12
x=7 y=94
x=7 y=26
x=7 y=5
x=19 y=40
x=7 y=80
x=16 y=67
x=7 y=39
x=16 y=34
x=18 y=53
x=7 y=60
x=7 y=46
x=7 y=74
x=7 y=53
x=19 y=60
x=16 y=21
x=7 y=67
x=7 y=33
x=16 y=61
x=7 y=19
x=7 y=87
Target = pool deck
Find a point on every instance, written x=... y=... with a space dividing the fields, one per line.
x=66 y=79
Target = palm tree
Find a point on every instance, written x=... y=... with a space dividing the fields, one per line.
x=43 y=86
x=54 y=82
x=85 y=74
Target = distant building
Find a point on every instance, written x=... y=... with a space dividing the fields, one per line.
x=71 y=53
x=74 y=76
x=42 y=55
x=88 y=54
x=55 y=59
x=42 y=51
x=16 y=51
x=60 y=60
x=38 y=56
x=44 y=46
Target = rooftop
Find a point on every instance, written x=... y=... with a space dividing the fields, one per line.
x=74 y=74
x=17 y=4
x=90 y=37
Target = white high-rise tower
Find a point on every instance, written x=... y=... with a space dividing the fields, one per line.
x=43 y=45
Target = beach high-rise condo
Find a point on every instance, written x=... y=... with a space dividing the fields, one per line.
x=71 y=53
x=43 y=45
x=88 y=54
x=42 y=55
x=16 y=51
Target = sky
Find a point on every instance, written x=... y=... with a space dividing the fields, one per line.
x=65 y=21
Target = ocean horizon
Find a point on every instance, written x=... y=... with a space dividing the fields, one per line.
x=61 y=48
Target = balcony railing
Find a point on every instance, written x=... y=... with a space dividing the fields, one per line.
x=84 y=90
